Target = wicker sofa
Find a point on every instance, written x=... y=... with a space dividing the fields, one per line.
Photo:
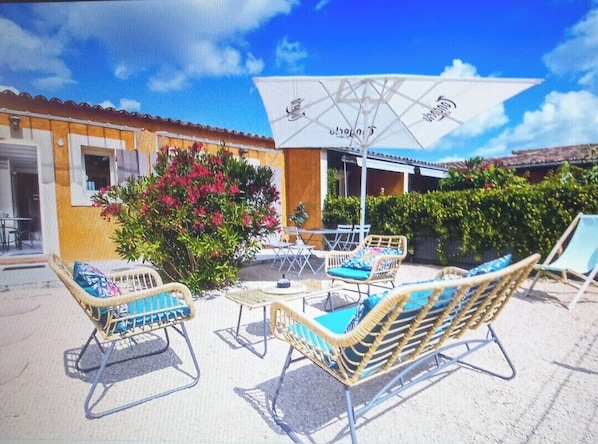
x=398 y=331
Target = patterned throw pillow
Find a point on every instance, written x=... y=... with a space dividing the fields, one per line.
x=97 y=284
x=490 y=266
x=363 y=259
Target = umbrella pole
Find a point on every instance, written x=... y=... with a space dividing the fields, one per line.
x=364 y=173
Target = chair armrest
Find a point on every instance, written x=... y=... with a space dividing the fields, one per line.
x=335 y=259
x=137 y=312
x=386 y=264
x=450 y=273
x=304 y=333
x=136 y=279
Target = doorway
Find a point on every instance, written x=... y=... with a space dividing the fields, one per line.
x=20 y=208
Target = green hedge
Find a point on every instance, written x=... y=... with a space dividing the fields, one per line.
x=521 y=220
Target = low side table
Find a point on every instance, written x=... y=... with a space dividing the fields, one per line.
x=263 y=297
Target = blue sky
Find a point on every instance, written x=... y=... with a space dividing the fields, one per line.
x=195 y=60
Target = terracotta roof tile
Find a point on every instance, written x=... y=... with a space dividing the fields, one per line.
x=542 y=157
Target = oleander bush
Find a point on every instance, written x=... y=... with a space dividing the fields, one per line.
x=198 y=218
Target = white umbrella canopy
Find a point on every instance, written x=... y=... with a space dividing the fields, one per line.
x=376 y=111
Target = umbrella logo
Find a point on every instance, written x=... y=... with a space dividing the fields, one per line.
x=294 y=111
x=441 y=110
x=351 y=132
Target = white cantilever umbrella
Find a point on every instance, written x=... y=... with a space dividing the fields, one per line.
x=377 y=111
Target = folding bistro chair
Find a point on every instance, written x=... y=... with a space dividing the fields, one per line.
x=345 y=235
x=575 y=255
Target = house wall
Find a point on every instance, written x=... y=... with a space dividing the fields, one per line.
x=392 y=182
x=74 y=229
x=303 y=173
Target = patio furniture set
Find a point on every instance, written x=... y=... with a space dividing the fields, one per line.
x=296 y=256
x=410 y=332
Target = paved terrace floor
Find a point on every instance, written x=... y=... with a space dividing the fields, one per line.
x=553 y=398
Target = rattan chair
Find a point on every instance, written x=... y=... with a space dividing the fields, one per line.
x=374 y=262
x=409 y=335
x=145 y=305
x=574 y=258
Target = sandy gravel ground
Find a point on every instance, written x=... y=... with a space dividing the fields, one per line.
x=553 y=398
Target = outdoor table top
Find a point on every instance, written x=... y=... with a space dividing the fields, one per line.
x=266 y=295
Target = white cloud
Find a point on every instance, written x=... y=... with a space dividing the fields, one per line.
x=188 y=38
x=122 y=71
x=130 y=105
x=321 y=4
x=563 y=119
x=107 y=104
x=23 y=51
x=52 y=82
x=578 y=55
x=9 y=88
x=290 y=56
x=167 y=80
x=459 y=69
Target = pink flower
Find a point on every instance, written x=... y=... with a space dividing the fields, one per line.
x=217 y=219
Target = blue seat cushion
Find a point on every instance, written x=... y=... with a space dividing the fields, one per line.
x=349 y=273
x=335 y=321
x=164 y=307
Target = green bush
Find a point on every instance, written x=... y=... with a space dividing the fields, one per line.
x=523 y=220
x=198 y=218
x=480 y=173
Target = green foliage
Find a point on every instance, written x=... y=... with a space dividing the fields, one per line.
x=198 y=218
x=299 y=216
x=332 y=182
x=339 y=210
x=523 y=220
x=568 y=173
x=479 y=173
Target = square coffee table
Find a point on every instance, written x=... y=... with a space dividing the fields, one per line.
x=264 y=296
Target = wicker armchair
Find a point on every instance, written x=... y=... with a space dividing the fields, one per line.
x=374 y=262
x=409 y=335
x=144 y=305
